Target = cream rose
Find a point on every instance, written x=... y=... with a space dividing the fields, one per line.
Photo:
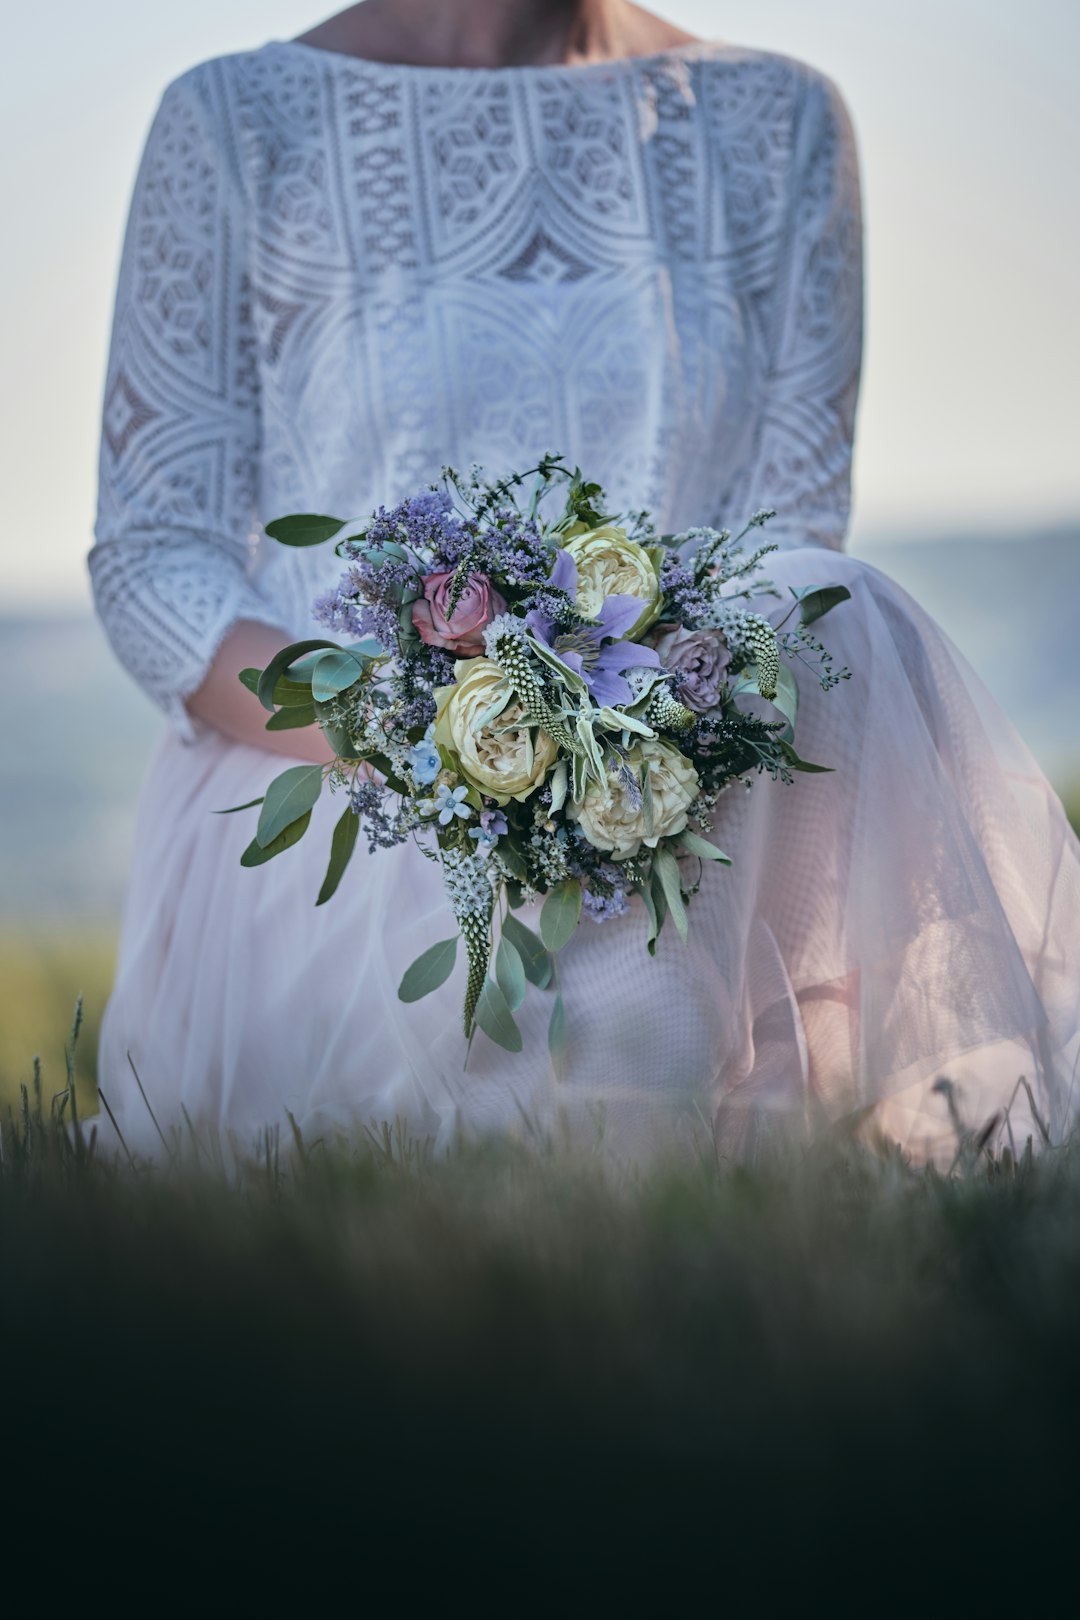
x=611 y=564
x=507 y=764
x=610 y=818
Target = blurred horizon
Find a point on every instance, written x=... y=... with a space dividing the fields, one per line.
x=967 y=121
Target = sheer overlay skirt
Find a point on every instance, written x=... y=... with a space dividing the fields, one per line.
x=911 y=917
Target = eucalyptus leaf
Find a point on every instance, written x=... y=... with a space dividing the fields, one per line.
x=557 y=1038
x=304 y=529
x=510 y=973
x=335 y=672
x=495 y=1018
x=279 y=664
x=430 y=970
x=559 y=914
x=256 y=854
x=534 y=958
x=233 y=808
x=666 y=867
x=292 y=717
x=287 y=797
x=342 y=845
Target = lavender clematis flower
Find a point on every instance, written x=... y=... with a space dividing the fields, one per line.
x=595 y=651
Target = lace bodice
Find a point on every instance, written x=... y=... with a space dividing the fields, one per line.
x=338 y=275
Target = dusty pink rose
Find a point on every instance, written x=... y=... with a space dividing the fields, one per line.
x=463 y=631
x=701 y=657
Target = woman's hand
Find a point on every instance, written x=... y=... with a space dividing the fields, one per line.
x=223 y=702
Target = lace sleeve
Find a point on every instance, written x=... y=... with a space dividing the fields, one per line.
x=802 y=451
x=175 y=526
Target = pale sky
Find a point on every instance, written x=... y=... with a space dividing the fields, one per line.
x=967 y=117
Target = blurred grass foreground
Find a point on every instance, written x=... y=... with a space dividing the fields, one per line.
x=543 y=1359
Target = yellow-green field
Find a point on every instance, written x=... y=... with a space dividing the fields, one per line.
x=41 y=974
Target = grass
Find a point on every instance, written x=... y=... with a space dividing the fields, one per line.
x=510 y=1356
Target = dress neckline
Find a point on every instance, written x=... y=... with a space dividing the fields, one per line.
x=691 y=50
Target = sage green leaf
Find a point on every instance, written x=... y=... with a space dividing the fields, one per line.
x=292 y=717
x=304 y=529
x=341 y=847
x=335 y=672
x=557 y=1037
x=368 y=648
x=279 y=664
x=256 y=854
x=233 y=808
x=559 y=914
x=695 y=845
x=534 y=958
x=787 y=699
x=558 y=782
x=287 y=797
x=250 y=679
x=666 y=867
x=495 y=1018
x=430 y=970
x=510 y=973
x=569 y=677
x=815 y=603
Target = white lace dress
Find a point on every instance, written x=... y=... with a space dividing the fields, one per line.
x=339 y=275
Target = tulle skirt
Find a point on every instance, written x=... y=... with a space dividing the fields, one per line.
x=896 y=947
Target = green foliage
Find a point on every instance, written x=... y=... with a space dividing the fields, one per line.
x=430 y=970
x=559 y=914
x=304 y=529
x=495 y=1018
x=534 y=957
x=341 y=847
x=288 y=797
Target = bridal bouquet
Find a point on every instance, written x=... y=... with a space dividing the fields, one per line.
x=548 y=708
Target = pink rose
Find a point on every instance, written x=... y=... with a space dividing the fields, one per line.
x=461 y=632
x=701 y=657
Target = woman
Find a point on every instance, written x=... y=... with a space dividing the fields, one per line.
x=436 y=232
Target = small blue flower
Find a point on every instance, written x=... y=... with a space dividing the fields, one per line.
x=425 y=762
x=449 y=803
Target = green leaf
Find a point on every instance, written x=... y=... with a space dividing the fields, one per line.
x=695 y=845
x=666 y=867
x=335 y=672
x=279 y=664
x=250 y=679
x=534 y=958
x=304 y=529
x=287 y=797
x=292 y=717
x=656 y=920
x=510 y=973
x=495 y=1018
x=798 y=764
x=557 y=1038
x=233 y=808
x=428 y=971
x=341 y=847
x=659 y=899
x=815 y=603
x=256 y=854
x=787 y=698
x=560 y=913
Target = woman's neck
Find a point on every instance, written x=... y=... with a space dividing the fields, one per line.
x=496 y=33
